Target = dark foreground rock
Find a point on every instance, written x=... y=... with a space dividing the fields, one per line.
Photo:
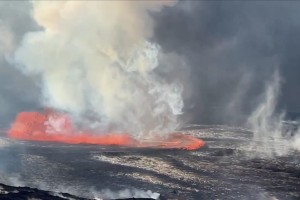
x=27 y=193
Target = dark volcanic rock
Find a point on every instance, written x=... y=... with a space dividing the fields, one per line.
x=20 y=193
x=26 y=193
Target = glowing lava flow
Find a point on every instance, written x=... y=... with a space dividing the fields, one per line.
x=53 y=127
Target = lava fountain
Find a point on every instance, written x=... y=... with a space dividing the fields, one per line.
x=57 y=127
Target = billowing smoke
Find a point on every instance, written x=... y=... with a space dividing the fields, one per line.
x=6 y=46
x=272 y=135
x=232 y=48
x=96 y=61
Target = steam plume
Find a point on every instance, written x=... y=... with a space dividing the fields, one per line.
x=95 y=59
x=271 y=136
x=127 y=193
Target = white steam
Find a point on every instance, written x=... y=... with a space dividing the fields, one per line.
x=296 y=143
x=95 y=59
x=272 y=137
x=127 y=193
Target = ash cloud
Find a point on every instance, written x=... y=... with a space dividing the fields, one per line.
x=17 y=92
x=233 y=48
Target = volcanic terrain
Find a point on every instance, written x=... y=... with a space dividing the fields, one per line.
x=227 y=167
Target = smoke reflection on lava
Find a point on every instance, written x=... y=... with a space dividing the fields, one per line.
x=54 y=127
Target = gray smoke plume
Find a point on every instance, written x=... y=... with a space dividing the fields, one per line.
x=232 y=48
x=96 y=59
x=17 y=91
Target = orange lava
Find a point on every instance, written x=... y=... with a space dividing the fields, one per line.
x=53 y=127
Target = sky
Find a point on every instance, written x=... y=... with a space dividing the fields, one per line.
x=230 y=49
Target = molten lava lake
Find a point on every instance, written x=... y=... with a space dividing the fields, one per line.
x=53 y=127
